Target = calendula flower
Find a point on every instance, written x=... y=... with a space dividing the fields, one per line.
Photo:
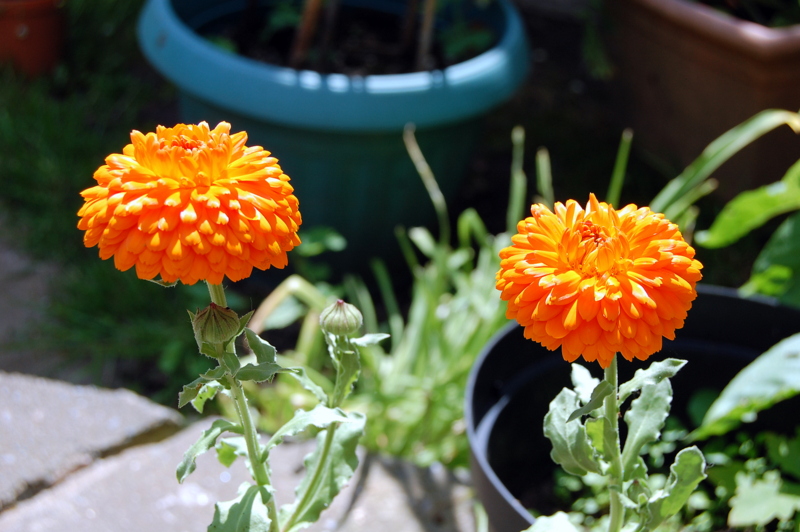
x=598 y=281
x=191 y=203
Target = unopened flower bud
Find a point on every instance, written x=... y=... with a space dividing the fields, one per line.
x=340 y=319
x=215 y=324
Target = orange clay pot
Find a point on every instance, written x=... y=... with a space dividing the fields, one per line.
x=686 y=73
x=31 y=34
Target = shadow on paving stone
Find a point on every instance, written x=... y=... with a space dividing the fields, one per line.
x=49 y=429
x=137 y=491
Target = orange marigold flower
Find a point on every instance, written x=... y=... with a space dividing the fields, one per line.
x=191 y=203
x=598 y=281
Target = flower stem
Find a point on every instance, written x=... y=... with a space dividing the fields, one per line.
x=259 y=466
x=615 y=471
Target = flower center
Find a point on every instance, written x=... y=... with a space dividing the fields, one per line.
x=598 y=253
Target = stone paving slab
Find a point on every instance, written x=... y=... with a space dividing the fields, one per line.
x=48 y=429
x=136 y=491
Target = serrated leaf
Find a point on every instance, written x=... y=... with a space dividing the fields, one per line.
x=207 y=440
x=571 y=447
x=210 y=350
x=601 y=391
x=583 y=383
x=685 y=474
x=305 y=381
x=772 y=377
x=751 y=209
x=260 y=373
x=243 y=321
x=645 y=419
x=206 y=393
x=246 y=513
x=214 y=374
x=369 y=339
x=548 y=523
x=658 y=371
x=263 y=350
x=324 y=478
x=229 y=449
x=758 y=502
x=320 y=416
x=190 y=391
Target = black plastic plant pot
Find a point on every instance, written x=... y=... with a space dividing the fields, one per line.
x=514 y=380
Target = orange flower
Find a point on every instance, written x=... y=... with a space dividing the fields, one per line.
x=598 y=281
x=188 y=203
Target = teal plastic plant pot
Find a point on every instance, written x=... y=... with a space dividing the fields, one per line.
x=338 y=137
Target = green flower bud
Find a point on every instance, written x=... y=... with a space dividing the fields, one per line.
x=215 y=324
x=341 y=319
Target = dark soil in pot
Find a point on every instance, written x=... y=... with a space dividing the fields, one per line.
x=515 y=379
x=359 y=40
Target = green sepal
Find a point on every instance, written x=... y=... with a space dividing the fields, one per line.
x=336 y=472
x=207 y=440
x=246 y=513
x=260 y=373
x=211 y=350
x=320 y=417
x=229 y=449
x=600 y=392
x=369 y=339
x=263 y=350
x=571 y=447
x=645 y=419
x=654 y=374
x=206 y=393
x=685 y=474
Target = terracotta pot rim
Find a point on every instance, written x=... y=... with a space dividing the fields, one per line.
x=749 y=38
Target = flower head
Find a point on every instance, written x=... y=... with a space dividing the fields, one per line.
x=598 y=281
x=191 y=203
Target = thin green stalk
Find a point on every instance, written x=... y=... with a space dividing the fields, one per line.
x=544 y=177
x=615 y=471
x=621 y=164
x=259 y=467
x=519 y=182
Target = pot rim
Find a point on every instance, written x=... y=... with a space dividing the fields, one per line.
x=333 y=102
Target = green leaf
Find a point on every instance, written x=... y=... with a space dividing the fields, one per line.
x=325 y=476
x=320 y=416
x=772 y=377
x=246 y=513
x=776 y=271
x=263 y=350
x=685 y=474
x=571 y=447
x=583 y=383
x=260 y=373
x=206 y=393
x=594 y=430
x=207 y=440
x=348 y=368
x=758 y=502
x=752 y=209
x=784 y=452
x=424 y=240
x=719 y=151
x=600 y=392
x=305 y=381
x=229 y=449
x=210 y=350
x=645 y=418
x=548 y=523
x=190 y=391
x=369 y=339
x=231 y=361
x=243 y=321
x=657 y=372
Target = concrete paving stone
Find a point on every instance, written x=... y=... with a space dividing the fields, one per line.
x=49 y=429
x=136 y=491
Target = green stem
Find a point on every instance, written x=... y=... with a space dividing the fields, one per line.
x=312 y=486
x=259 y=466
x=615 y=471
x=217 y=294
